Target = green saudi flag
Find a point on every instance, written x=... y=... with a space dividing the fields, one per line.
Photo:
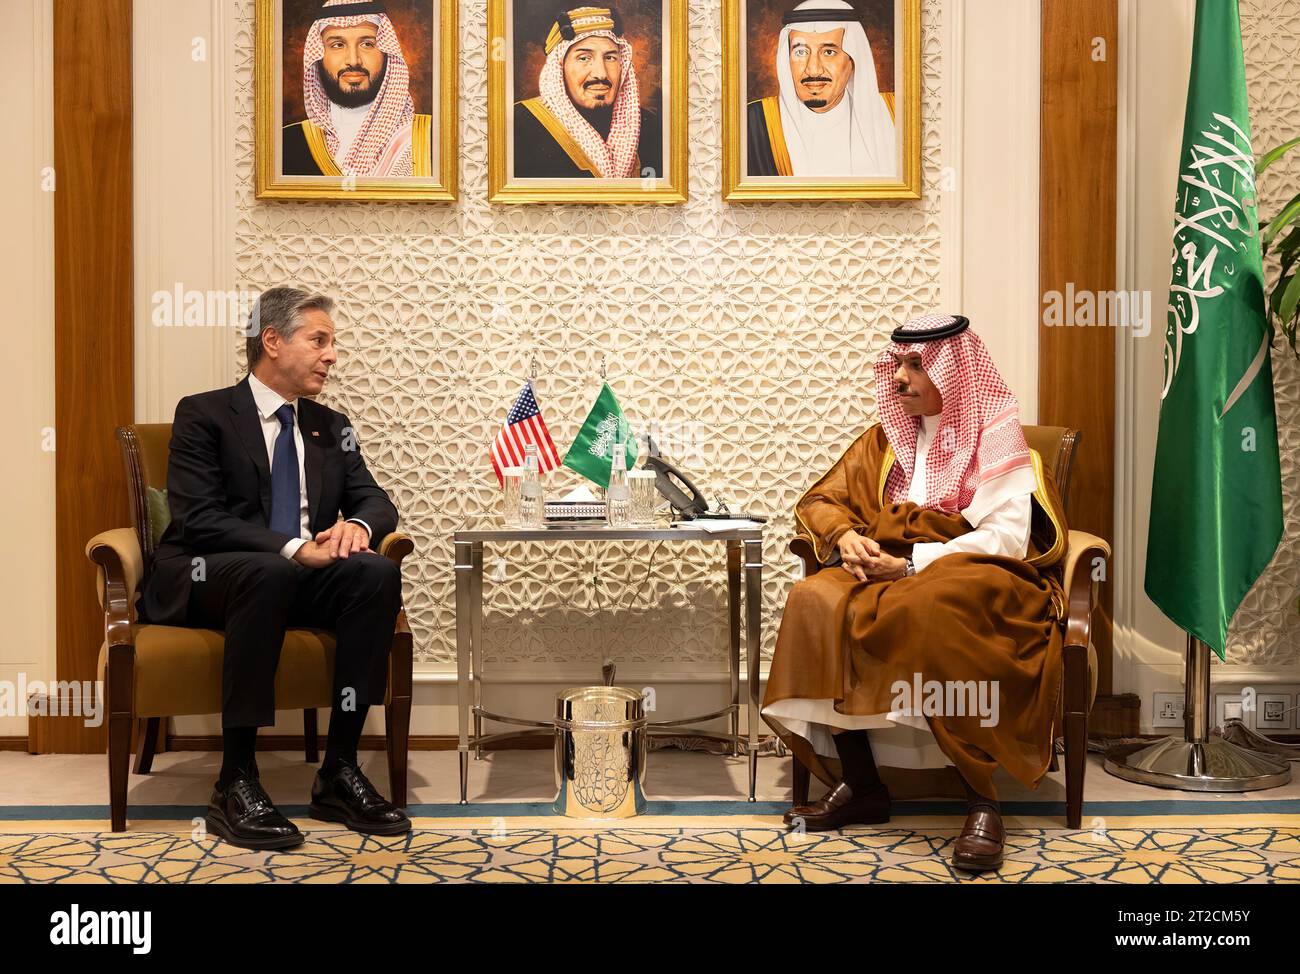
x=1216 y=495
x=592 y=452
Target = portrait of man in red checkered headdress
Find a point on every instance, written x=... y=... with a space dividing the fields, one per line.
x=356 y=87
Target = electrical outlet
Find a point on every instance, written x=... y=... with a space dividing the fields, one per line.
x=1230 y=705
x=1273 y=711
x=1168 y=710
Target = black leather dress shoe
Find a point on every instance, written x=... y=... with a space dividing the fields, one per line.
x=242 y=814
x=347 y=796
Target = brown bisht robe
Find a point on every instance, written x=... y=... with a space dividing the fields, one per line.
x=964 y=617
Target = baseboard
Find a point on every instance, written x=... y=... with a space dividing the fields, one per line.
x=16 y=742
x=369 y=742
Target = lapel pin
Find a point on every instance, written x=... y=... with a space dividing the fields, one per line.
x=315 y=432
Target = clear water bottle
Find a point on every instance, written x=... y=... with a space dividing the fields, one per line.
x=618 y=497
x=530 y=491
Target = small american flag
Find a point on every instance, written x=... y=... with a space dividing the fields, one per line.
x=524 y=425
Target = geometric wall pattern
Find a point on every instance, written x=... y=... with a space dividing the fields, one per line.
x=748 y=331
x=1266 y=630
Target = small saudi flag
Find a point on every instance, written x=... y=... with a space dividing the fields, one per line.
x=592 y=452
x=1216 y=494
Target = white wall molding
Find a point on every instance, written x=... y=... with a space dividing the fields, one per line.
x=998 y=103
x=952 y=255
x=27 y=395
x=1127 y=584
x=223 y=179
x=184 y=194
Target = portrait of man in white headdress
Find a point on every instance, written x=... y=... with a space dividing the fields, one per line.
x=829 y=117
x=356 y=89
x=588 y=119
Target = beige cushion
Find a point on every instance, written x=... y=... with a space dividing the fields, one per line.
x=178 y=671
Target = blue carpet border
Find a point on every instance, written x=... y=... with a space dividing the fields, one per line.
x=1288 y=806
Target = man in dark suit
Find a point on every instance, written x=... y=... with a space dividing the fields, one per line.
x=257 y=479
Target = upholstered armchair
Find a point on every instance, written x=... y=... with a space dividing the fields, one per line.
x=152 y=672
x=1056 y=446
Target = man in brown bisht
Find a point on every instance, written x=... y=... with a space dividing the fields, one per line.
x=932 y=633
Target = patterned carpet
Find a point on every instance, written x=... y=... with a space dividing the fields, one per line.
x=713 y=848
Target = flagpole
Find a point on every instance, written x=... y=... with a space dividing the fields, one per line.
x=1198 y=761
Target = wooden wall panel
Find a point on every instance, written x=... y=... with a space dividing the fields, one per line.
x=1076 y=378
x=93 y=337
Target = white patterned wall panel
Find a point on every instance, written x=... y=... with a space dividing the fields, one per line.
x=760 y=322
x=1266 y=630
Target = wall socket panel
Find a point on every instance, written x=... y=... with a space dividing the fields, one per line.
x=1274 y=706
x=1167 y=710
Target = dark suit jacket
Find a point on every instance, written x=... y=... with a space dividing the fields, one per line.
x=219 y=488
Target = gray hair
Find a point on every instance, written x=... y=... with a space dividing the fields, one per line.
x=280 y=308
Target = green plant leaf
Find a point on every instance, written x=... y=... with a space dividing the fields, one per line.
x=1290 y=298
x=1280 y=222
x=1291 y=243
x=1273 y=155
x=1288 y=261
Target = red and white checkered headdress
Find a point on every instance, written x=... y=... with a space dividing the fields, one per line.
x=978 y=444
x=383 y=146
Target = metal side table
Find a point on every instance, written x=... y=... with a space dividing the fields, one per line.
x=744 y=549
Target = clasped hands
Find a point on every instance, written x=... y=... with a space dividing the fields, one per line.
x=339 y=541
x=866 y=561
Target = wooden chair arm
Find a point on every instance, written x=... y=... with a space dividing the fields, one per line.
x=803 y=548
x=120 y=570
x=1080 y=557
x=396 y=546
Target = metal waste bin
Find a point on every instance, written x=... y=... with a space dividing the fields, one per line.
x=600 y=748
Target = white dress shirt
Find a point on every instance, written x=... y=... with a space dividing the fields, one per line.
x=268 y=401
x=1004 y=530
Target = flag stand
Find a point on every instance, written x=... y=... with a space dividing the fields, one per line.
x=1197 y=761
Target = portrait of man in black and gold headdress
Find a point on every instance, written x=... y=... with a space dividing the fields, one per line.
x=587 y=103
x=587 y=119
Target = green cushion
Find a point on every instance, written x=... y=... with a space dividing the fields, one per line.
x=160 y=515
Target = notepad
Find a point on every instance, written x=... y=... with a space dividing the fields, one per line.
x=717 y=527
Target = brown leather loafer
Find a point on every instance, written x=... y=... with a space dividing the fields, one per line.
x=841 y=807
x=832 y=799
x=979 y=847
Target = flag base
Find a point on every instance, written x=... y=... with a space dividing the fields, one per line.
x=1212 y=765
x=1197 y=761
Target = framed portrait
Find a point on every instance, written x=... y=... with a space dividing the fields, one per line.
x=587 y=104
x=356 y=99
x=821 y=99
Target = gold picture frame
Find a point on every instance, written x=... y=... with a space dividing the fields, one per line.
x=504 y=186
x=739 y=185
x=437 y=184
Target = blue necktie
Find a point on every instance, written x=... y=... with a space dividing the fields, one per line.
x=286 y=499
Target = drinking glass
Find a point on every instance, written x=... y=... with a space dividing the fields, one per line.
x=512 y=479
x=645 y=496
